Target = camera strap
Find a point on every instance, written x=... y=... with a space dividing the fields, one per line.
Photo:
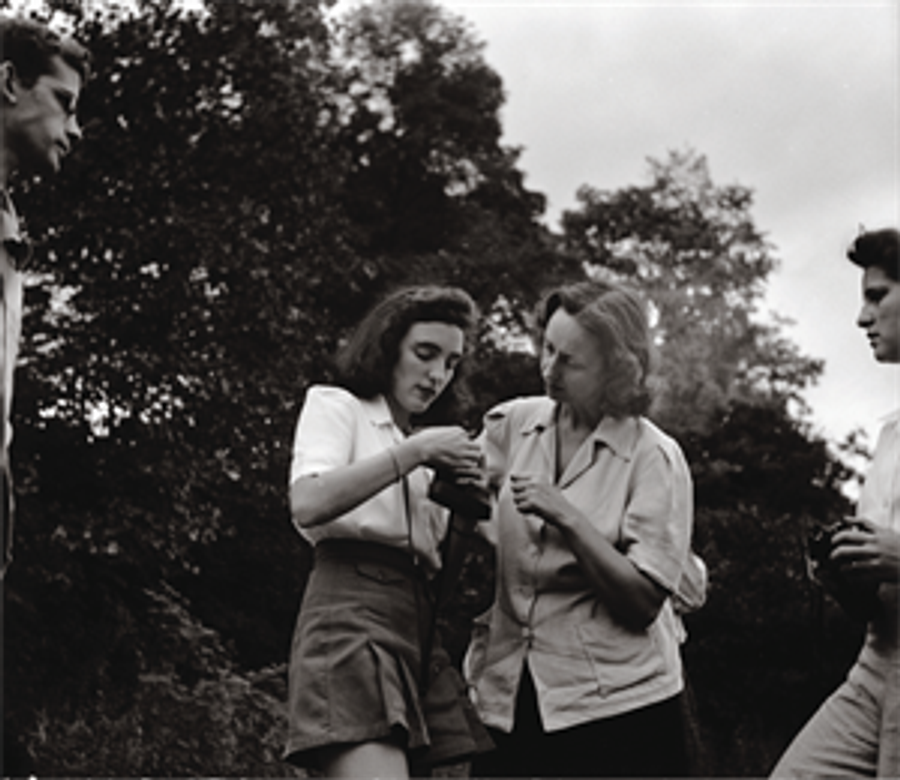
x=426 y=636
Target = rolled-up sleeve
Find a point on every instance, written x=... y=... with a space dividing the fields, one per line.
x=324 y=436
x=656 y=531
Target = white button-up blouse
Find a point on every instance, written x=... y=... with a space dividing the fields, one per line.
x=335 y=429
x=632 y=481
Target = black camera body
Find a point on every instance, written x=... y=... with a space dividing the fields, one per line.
x=469 y=501
x=821 y=541
x=859 y=599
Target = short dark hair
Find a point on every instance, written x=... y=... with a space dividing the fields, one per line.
x=31 y=47
x=616 y=316
x=366 y=363
x=878 y=247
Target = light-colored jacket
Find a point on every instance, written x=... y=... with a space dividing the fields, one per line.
x=632 y=481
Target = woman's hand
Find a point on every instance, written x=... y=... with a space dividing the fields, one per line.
x=869 y=554
x=449 y=447
x=630 y=595
x=534 y=496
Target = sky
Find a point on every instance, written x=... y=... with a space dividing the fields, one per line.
x=796 y=100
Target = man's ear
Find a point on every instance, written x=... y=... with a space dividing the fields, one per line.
x=8 y=81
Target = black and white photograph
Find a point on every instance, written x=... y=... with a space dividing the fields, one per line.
x=450 y=388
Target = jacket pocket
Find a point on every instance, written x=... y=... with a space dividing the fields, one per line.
x=620 y=658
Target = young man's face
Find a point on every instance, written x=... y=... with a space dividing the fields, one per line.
x=880 y=314
x=41 y=127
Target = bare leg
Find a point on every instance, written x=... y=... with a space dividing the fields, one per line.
x=368 y=759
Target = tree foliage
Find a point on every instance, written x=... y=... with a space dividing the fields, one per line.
x=431 y=191
x=692 y=248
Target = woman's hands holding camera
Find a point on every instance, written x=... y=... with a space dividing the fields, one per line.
x=449 y=448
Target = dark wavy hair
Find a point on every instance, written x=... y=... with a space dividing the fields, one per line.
x=366 y=362
x=878 y=247
x=617 y=317
x=31 y=46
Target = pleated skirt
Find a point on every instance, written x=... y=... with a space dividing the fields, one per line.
x=356 y=663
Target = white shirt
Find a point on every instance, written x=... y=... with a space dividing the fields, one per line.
x=336 y=429
x=876 y=668
x=12 y=249
x=879 y=500
x=11 y=243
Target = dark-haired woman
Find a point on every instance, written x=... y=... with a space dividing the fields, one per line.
x=575 y=669
x=362 y=702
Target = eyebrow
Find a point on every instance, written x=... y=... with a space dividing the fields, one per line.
x=434 y=345
x=559 y=351
x=875 y=290
x=65 y=98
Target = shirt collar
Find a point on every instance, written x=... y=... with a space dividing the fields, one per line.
x=377 y=411
x=891 y=419
x=14 y=242
x=540 y=417
x=619 y=434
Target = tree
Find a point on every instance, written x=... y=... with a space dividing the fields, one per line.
x=761 y=484
x=432 y=193
x=191 y=240
x=199 y=242
x=692 y=248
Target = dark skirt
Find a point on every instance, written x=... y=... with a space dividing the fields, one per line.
x=646 y=742
x=356 y=663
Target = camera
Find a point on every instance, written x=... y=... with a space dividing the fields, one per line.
x=467 y=500
x=860 y=599
x=820 y=541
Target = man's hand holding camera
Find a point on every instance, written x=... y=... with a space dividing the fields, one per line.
x=867 y=553
x=851 y=559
